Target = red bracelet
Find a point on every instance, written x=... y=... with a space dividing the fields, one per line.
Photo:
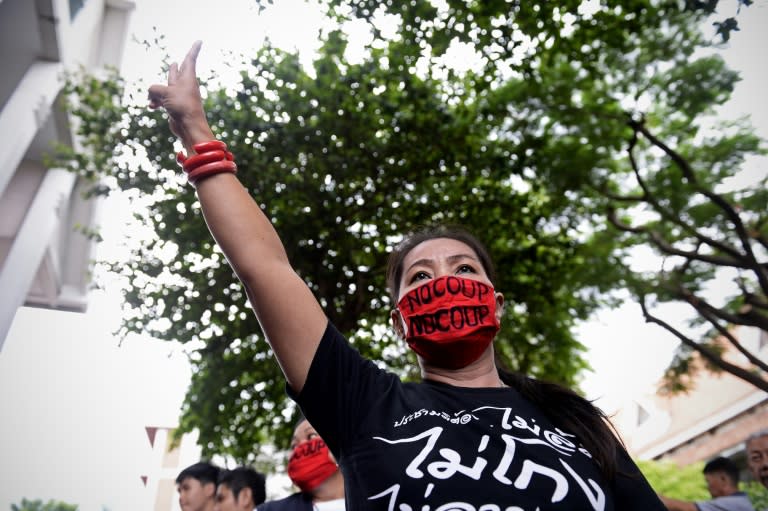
x=185 y=162
x=199 y=159
x=210 y=158
x=212 y=145
x=209 y=169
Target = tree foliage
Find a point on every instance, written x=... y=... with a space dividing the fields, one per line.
x=343 y=158
x=704 y=235
x=615 y=105
x=529 y=148
x=670 y=170
x=39 y=505
x=688 y=483
x=669 y=479
x=758 y=494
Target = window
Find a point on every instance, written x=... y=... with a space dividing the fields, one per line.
x=74 y=8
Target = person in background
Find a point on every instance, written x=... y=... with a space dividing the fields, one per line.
x=196 y=486
x=722 y=476
x=313 y=469
x=757 y=456
x=240 y=489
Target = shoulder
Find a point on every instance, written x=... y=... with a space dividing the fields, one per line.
x=739 y=496
x=738 y=501
x=335 y=357
x=294 y=502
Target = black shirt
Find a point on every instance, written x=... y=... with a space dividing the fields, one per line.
x=435 y=447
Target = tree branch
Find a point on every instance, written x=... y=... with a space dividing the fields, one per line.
x=735 y=342
x=754 y=300
x=759 y=236
x=667 y=215
x=704 y=308
x=705 y=352
x=620 y=198
x=666 y=248
x=730 y=212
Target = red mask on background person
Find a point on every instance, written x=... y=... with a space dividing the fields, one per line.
x=310 y=464
x=450 y=321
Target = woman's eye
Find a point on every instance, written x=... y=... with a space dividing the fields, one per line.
x=465 y=268
x=419 y=276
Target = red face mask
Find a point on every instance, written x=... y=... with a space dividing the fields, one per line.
x=450 y=321
x=310 y=464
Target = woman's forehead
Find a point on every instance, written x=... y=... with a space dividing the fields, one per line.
x=437 y=248
x=303 y=429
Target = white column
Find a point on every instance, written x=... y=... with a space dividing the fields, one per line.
x=25 y=112
x=32 y=240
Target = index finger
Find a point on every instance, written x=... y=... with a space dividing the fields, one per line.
x=191 y=59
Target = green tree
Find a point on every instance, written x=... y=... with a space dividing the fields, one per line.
x=39 y=505
x=337 y=157
x=671 y=480
x=610 y=107
x=703 y=235
x=687 y=483
x=758 y=494
x=529 y=149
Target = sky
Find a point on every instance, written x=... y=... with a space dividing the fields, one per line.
x=75 y=401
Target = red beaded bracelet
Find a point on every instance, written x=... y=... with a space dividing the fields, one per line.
x=210 y=158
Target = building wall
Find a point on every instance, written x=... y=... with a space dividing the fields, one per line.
x=713 y=419
x=726 y=438
x=166 y=461
x=44 y=259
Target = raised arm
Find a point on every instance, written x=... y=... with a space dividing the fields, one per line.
x=288 y=312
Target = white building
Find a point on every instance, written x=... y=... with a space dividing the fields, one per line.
x=167 y=460
x=713 y=419
x=44 y=259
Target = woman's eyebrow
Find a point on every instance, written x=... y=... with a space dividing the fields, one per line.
x=451 y=259
x=420 y=262
x=457 y=257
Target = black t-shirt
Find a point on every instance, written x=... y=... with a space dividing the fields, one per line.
x=295 y=502
x=435 y=447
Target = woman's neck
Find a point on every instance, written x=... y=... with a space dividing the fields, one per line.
x=481 y=373
x=330 y=489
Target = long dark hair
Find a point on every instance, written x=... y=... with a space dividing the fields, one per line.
x=564 y=407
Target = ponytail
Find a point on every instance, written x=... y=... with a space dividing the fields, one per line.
x=573 y=413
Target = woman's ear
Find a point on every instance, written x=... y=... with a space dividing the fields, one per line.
x=397 y=323
x=499 y=306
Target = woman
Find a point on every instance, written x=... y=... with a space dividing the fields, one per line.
x=313 y=469
x=467 y=437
